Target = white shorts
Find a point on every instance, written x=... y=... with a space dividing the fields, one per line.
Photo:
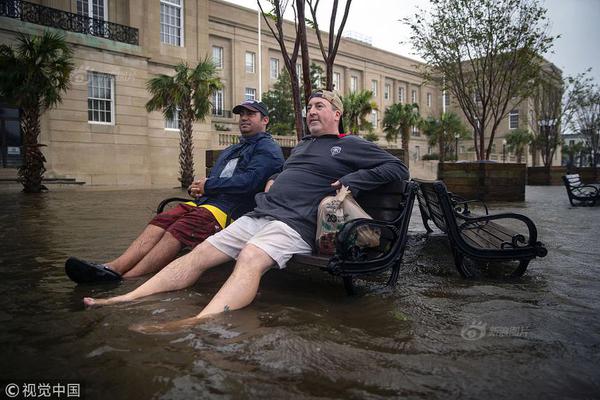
x=273 y=237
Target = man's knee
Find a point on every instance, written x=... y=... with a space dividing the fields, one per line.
x=254 y=258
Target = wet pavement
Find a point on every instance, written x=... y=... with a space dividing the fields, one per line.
x=434 y=336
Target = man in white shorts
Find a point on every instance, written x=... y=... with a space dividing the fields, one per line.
x=284 y=220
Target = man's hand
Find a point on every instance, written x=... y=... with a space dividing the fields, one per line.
x=269 y=184
x=196 y=189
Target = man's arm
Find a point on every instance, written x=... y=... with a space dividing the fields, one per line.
x=374 y=167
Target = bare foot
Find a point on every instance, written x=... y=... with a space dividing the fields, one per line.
x=166 y=327
x=91 y=302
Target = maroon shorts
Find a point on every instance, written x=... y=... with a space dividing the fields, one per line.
x=188 y=224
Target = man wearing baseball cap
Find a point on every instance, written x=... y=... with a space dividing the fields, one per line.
x=284 y=220
x=226 y=194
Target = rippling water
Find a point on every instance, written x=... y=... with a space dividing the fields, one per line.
x=434 y=336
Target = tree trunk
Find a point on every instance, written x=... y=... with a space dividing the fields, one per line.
x=405 y=139
x=299 y=123
x=32 y=171
x=186 y=150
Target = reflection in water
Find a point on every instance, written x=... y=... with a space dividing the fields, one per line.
x=434 y=336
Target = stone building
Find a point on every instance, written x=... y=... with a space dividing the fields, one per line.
x=101 y=133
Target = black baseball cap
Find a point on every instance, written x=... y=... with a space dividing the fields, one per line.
x=252 y=105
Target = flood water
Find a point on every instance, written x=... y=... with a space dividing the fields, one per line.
x=434 y=336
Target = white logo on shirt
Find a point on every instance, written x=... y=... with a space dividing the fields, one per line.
x=335 y=150
x=229 y=168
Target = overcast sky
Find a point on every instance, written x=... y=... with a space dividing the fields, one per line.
x=577 y=21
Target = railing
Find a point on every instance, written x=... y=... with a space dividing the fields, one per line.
x=227 y=139
x=68 y=21
x=221 y=113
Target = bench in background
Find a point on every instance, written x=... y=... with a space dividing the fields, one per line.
x=479 y=237
x=579 y=193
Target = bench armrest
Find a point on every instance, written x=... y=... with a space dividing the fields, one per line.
x=518 y=239
x=346 y=248
x=165 y=202
x=586 y=190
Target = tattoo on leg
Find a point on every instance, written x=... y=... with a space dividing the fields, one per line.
x=226 y=308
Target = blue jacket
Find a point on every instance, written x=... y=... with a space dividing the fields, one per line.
x=240 y=172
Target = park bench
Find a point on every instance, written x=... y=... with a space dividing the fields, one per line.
x=389 y=205
x=579 y=193
x=478 y=237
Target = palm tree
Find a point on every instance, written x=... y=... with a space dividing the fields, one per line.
x=357 y=106
x=399 y=118
x=186 y=93
x=33 y=77
x=444 y=132
x=517 y=140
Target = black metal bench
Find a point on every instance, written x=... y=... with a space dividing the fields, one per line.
x=579 y=193
x=478 y=237
x=390 y=206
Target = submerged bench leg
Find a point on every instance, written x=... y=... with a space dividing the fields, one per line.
x=394 y=275
x=349 y=285
x=517 y=273
x=459 y=262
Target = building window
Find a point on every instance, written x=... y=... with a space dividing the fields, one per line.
x=386 y=91
x=173 y=123
x=96 y=9
x=217 y=54
x=417 y=152
x=401 y=95
x=513 y=119
x=413 y=96
x=217 y=103
x=428 y=99
x=415 y=131
x=101 y=98
x=93 y=9
x=374 y=118
x=353 y=83
x=250 y=62
x=336 y=81
x=447 y=99
x=274 y=68
x=250 y=94
x=374 y=87
x=171 y=22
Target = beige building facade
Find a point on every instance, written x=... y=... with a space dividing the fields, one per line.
x=101 y=133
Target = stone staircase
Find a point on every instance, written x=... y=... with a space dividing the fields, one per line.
x=9 y=176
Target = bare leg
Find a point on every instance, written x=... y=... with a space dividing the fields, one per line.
x=242 y=285
x=179 y=274
x=237 y=292
x=160 y=255
x=137 y=250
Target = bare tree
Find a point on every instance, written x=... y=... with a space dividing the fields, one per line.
x=486 y=53
x=583 y=112
x=329 y=52
x=276 y=23
x=549 y=112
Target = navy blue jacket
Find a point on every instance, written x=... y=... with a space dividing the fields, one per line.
x=232 y=191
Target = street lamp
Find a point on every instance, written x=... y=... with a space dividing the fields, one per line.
x=456 y=137
x=503 y=150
